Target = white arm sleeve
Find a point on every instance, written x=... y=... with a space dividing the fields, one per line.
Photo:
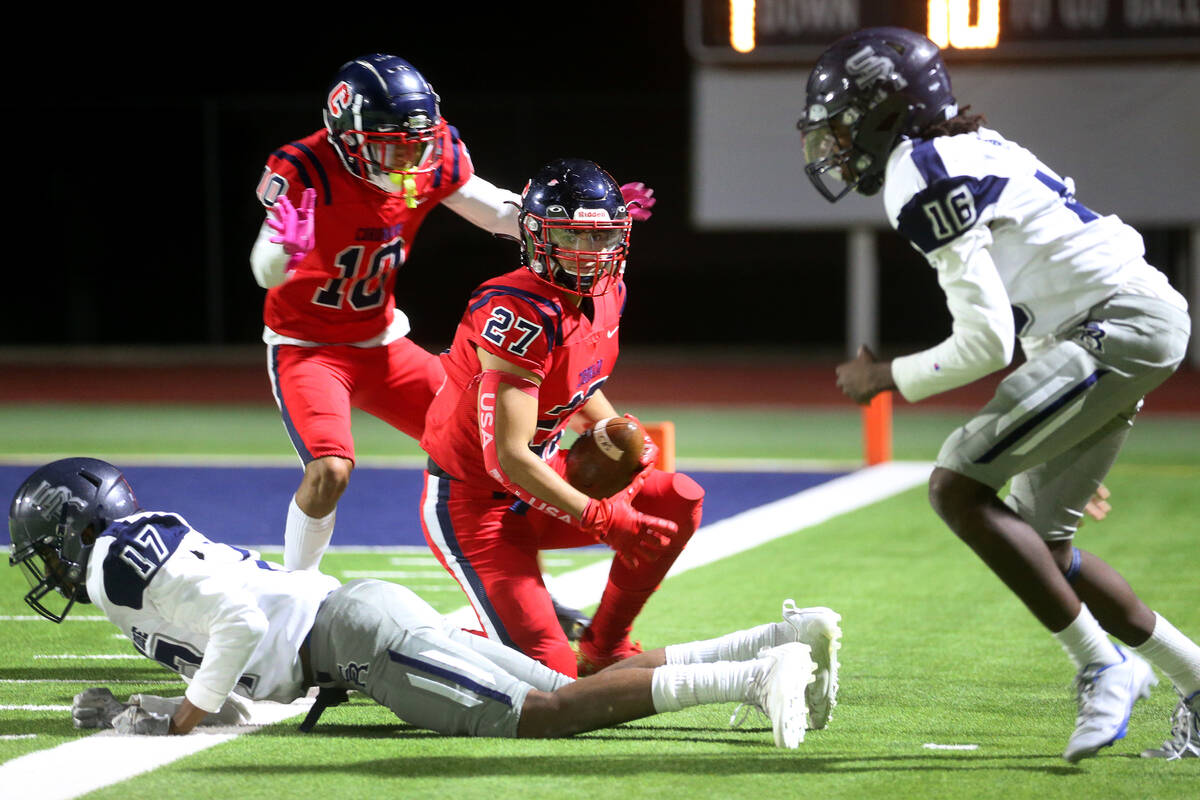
x=487 y=206
x=981 y=341
x=268 y=261
x=186 y=595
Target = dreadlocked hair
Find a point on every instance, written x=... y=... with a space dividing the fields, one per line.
x=962 y=122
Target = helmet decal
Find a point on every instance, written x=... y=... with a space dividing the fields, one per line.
x=339 y=99
x=49 y=501
x=866 y=67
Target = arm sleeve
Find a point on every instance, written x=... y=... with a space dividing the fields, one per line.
x=268 y=260
x=186 y=595
x=485 y=205
x=981 y=340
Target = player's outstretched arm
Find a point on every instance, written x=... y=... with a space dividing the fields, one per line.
x=486 y=205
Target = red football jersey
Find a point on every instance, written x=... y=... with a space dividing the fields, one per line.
x=342 y=291
x=527 y=323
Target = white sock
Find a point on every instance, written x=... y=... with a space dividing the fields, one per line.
x=1175 y=654
x=1086 y=642
x=736 y=646
x=305 y=538
x=677 y=686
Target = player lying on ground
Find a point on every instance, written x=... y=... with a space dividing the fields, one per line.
x=1099 y=326
x=231 y=623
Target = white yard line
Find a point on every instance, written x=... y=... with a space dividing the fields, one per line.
x=104 y=758
x=34 y=708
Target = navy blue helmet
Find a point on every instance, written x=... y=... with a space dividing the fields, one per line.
x=47 y=521
x=867 y=91
x=383 y=117
x=574 y=227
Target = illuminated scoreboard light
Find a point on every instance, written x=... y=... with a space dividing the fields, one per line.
x=753 y=31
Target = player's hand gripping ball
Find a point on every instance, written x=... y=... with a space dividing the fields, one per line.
x=604 y=460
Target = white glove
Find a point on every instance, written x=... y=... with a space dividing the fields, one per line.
x=138 y=721
x=95 y=708
x=233 y=712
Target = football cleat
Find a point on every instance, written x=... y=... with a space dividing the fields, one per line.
x=777 y=690
x=818 y=628
x=1185 y=731
x=1106 y=694
x=572 y=620
x=589 y=660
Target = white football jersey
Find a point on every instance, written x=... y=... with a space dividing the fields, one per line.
x=1015 y=251
x=218 y=615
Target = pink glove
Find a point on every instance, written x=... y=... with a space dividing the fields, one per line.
x=638 y=199
x=636 y=537
x=648 y=459
x=294 y=226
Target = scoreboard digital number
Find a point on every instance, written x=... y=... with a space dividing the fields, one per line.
x=752 y=31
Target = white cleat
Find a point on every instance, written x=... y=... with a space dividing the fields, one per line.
x=818 y=628
x=778 y=691
x=1106 y=695
x=1185 y=731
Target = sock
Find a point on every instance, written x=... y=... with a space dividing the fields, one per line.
x=1175 y=654
x=613 y=620
x=305 y=538
x=1086 y=642
x=736 y=646
x=677 y=686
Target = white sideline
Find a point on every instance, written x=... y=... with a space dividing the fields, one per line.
x=104 y=758
x=748 y=529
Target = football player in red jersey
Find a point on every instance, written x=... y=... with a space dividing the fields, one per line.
x=344 y=204
x=530 y=355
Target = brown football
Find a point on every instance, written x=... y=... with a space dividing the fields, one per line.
x=603 y=461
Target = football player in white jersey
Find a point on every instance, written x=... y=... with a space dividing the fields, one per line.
x=1016 y=256
x=230 y=623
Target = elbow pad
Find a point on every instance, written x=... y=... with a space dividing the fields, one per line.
x=490 y=381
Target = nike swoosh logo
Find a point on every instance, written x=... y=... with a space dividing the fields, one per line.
x=613 y=332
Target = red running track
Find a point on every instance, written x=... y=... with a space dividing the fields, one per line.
x=239 y=377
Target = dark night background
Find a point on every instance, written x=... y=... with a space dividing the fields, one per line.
x=146 y=146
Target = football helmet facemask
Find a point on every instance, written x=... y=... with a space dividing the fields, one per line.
x=867 y=91
x=53 y=521
x=574 y=227
x=383 y=117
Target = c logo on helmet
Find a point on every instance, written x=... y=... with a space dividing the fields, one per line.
x=339 y=99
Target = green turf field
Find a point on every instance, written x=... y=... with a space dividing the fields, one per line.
x=935 y=650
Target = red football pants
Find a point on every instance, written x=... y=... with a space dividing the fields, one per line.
x=490 y=545
x=315 y=388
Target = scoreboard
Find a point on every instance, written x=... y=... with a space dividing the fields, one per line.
x=797 y=31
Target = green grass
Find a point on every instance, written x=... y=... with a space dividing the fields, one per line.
x=935 y=649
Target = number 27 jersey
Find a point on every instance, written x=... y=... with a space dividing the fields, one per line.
x=529 y=324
